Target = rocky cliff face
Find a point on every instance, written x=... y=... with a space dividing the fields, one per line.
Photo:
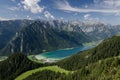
x=99 y=30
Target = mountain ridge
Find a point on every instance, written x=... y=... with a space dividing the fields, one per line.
x=42 y=36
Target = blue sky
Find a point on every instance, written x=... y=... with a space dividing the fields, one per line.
x=106 y=11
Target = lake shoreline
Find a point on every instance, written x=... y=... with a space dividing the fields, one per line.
x=53 y=56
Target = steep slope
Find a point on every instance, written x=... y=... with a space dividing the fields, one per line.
x=15 y=65
x=106 y=69
x=42 y=36
x=108 y=48
x=9 y=28
x=100 y=30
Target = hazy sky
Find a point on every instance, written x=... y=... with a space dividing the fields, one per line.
x=107 y=11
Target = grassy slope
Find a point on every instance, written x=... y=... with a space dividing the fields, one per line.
x=31 y=57
x=103 y=69
x=52 y=68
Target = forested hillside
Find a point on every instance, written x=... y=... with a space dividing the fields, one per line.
x=99 y=63
x=108 y=48
x=106 y=69
x=15 y=65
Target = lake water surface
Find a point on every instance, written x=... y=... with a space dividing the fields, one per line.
x=65 y=52
x=62 y=53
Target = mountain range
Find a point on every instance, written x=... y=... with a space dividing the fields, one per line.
x=37 y=36
x=43 y=36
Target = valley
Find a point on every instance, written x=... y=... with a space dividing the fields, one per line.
x=53 y=56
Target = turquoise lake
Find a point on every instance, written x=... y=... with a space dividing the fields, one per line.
x=62 y=53
x=56 y=55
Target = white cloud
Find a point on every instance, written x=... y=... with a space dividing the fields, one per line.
x=32 y=5
x=3 y=19
x=64 y=5
x=89 y=19
x=13 y=8
x=28 y=17
x=86 y=16
x=48 y=15
x=108 y=3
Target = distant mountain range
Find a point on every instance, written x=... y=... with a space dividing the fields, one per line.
x=43 y=36
x=37 y=36
x=100 y=30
